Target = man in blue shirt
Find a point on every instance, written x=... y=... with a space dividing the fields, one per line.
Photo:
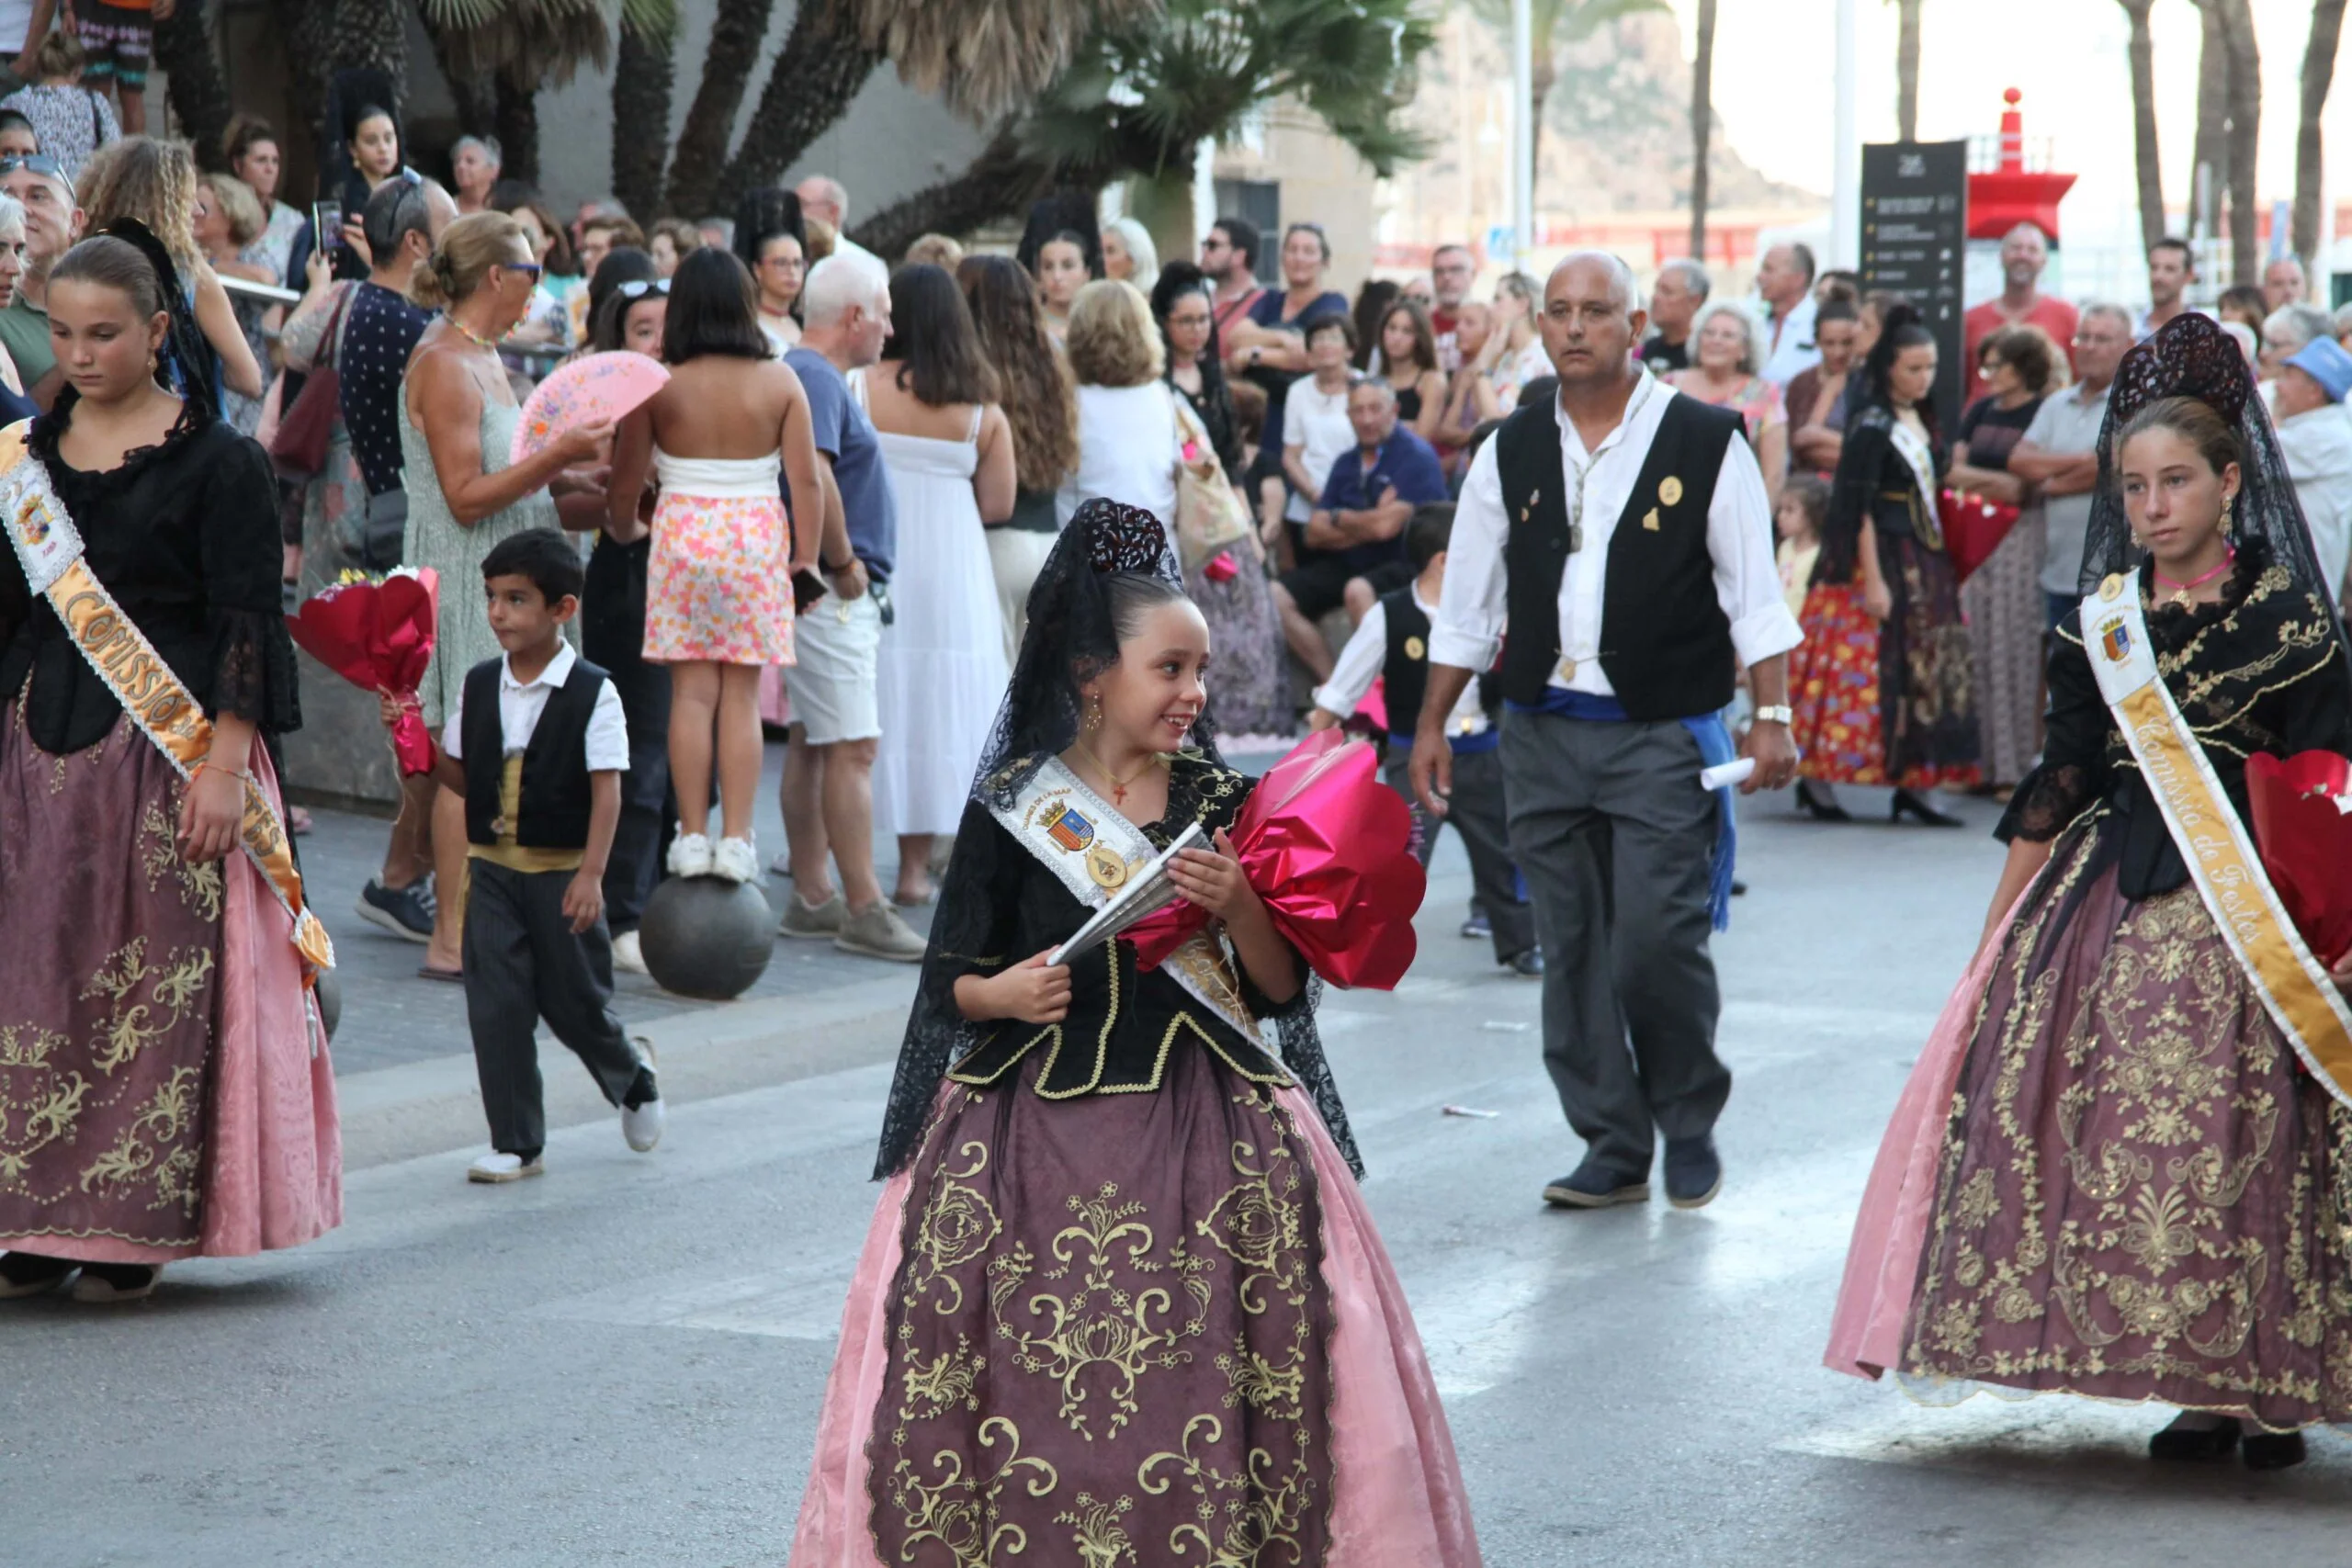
x=836 y=723
x=1352 y=550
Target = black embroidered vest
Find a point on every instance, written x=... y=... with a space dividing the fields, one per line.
x=555 y=798
x=1665 y=643
x=1405 y=675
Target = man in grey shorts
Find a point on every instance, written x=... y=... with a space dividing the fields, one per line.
x=829 y=769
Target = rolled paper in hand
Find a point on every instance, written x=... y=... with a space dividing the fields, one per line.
x=1723 y=775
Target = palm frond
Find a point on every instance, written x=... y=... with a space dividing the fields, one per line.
x=541 y=41
x=653 y=19
x=986 y=57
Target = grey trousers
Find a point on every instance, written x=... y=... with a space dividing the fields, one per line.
x=1476 y=811
x=1614 y=834
x=523 y=964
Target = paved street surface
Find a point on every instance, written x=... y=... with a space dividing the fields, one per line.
x=621 y=1362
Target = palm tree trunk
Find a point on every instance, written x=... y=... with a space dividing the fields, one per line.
x=2208 y=163
x=518 y=125
x=2245 y=122
x=1702 y=125
x=700 y=154
x=644 y=72
x=2319 y=72
x=1906 y=71
x=823 y=66
x=373 y=33
x=476 y=99
x=1003 y=180
x=1163 y=203
x=2143 y=121
x=199 y=98
x=307 y=27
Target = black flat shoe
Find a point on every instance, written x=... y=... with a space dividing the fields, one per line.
x=1694 y=1172
x=1820 y=808
x=30 y=1274
x=1905 y=803
x=1596 y=1186
x=2194 y=1444
x=2272 y=1451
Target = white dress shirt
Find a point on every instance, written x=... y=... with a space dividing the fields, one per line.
x=1366 y=655
x=1793 y=352
x=2317 y=445
x=1468 y=626
x=520 y=704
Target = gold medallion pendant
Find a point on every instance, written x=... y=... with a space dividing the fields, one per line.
x=1105 y=866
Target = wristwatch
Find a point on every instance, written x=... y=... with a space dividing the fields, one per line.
x=1778 y=713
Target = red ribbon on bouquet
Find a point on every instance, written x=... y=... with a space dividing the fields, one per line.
x=377 y=633
x=2306 y=842
x=1327 y=846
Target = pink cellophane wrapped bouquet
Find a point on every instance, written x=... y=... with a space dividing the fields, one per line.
x=2301 y=808
x=377 y=633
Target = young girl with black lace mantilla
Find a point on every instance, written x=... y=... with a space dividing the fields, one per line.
x=2110 y=1175
x=1120 y=1277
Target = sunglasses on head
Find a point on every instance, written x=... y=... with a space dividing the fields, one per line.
x=639 y=288
x=40 y=164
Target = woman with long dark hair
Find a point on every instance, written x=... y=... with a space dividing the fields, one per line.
x=1881 y=684
x=1040 y=403
x=933 y=399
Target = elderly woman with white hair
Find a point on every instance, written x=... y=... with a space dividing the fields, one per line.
x=1129 y=253
x=14 y=403
x=1727 y=364
x=2285 y=332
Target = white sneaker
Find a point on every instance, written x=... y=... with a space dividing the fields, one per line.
x=497 y=1167
x=690 y=856
x=736 y=860
x=627 y=955
x=642 y=1127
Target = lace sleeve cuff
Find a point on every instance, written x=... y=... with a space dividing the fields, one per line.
x=254 y=675
x=2050 y=798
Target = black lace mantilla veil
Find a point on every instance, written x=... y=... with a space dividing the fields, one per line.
x=1070 y=639
x=2192 y=357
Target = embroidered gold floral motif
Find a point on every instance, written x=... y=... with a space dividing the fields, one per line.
x=962 y=1512
x=958 y=1226
x=1095 y=1531
x=1252 y=1512
x=931 y=1389
x=202 y=889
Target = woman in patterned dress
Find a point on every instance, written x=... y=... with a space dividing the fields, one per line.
x=1120 y=1286
x=2109 y=1175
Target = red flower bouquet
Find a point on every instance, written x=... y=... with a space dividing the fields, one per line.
x=1325 y=844
x=1973 y=528
x=2300 y=824
x=377 y=633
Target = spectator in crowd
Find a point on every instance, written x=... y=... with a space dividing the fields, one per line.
x=718 y=232
x=2316 y=438
x=154 y=183
x=828 y=791
x=669 y=241
x=1728 y=347
x=1452 y=270
x=771 y=239
x=595 y=207
x=250 y=148
x=456 y=418
x=2244 y=304
x=2025 y=255
x=1372 y=299
x=17 y=139
x=1514 y=353
x=1040 y=402
x=1352 y=549
x=118 y=41
x=548 y=321
x=1063 y=270
x=1838 y=283
x=2172 y=267
x=15 y=403
x=1253 y=684
x=1784 y=279
x=1681 y=288
x=1229 y=256
x=1126 y=422
x=824 y=200
x=1315 y=429
x=372 y=154
x=2002 y=598
x=600 y=234
x=2342 y=320
x=384 y=324
x=228 y=228
x=933 y=399
x=1408 y=364
x=1871 y=313
x=2285 y=332
x=1421 y=292
x=1269 y=338
x=474 y=166
x=2283 y=284
x=2058 y=454
x=1129 y=255
x=70 y=119
x=942 y=251
x=1815 y=396
x=52 y=223
x=1471 y=399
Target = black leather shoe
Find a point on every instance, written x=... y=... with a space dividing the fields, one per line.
x=1821 y=807
x=2191 y=1444
x=1595 y=1186
x=2272 y=1451
x=32 y=1274
x=1694 y=1173
x=1528 y=965
x=1905 y=803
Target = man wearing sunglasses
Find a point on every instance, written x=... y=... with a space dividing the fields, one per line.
x=52 y=223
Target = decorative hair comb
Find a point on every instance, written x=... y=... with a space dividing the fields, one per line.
x=1120 y=537
x=2191 y=357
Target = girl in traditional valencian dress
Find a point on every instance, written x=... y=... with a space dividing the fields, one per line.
x=2119 y=1166
x=164 y=1088
x=1121 y=1301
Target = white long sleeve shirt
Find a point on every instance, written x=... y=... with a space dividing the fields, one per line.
x=1361 y=663
x=1468 y=626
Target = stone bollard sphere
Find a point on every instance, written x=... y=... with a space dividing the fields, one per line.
x=706 y=937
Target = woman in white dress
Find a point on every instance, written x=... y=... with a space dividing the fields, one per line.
x=932 y=397
x=1127 y=415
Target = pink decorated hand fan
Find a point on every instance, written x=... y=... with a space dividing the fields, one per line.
x=586 y=392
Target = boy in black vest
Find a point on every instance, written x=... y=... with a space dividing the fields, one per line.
x=1392 y=642
x=536 y=745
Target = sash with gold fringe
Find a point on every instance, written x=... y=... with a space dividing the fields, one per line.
x=2219 y=851
x=49 y=548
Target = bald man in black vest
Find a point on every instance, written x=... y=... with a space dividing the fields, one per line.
x=1621 y=530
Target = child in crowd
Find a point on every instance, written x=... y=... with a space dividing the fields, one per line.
x=71 y=120
x=1803 y=508
x=1392 y=643
x=537 y=744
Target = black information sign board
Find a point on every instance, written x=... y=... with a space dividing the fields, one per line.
x=1915 y=243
